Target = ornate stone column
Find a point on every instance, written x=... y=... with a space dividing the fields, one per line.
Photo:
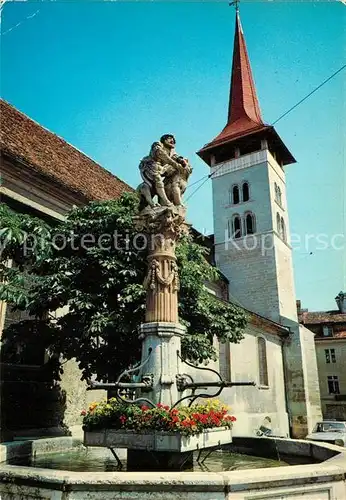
x=162 y=226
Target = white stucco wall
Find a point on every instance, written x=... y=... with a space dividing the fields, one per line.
x=250 y=405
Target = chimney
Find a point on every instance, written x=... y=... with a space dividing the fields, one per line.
x=299 y=306
x=341 y=301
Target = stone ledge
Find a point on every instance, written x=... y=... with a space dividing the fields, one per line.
x=234 y=481
x=161 y=329
x=270 y=447
x=289 y=481
x=27 y=448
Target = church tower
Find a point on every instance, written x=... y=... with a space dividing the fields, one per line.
x=251 y=230
x=251 y=226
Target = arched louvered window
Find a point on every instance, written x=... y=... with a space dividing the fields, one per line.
x=246 y=191
x=278 y=195
x=237 y=232
x=235 y=195
x=278 y=223
x=250 y=223
x=283 y=229
x=262 y=361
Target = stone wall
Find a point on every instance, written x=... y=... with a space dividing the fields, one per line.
x=301 y=381
x=34 y=404
x=333 y=406
x=250 y=268
x=252 y=405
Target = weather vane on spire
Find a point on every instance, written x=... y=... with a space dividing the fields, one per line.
x=236 y=4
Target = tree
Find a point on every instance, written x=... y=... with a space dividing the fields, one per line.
x=81 y=282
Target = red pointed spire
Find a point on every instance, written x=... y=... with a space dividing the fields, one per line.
x=243 y=102
x=244 y=126
x=244 y=113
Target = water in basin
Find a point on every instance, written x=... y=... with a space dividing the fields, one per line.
x=101 y=460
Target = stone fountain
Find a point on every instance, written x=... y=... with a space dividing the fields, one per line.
x=161 y=224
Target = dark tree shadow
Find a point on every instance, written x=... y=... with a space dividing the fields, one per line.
x=32 y=401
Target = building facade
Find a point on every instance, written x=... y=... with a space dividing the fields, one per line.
x=329 y=328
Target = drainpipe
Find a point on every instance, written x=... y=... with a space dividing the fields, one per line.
x=285 y=338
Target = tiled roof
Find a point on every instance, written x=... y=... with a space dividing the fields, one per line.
x=314 y=318
x=336 y=336
x=340 y=335
x=51 y=156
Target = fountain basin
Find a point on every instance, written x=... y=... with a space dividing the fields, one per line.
x=315 y=481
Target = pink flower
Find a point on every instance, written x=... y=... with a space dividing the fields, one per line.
x=122 y=419
x=83 y=413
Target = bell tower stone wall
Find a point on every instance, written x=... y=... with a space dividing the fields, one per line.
x=258 y=265
x=260 y=270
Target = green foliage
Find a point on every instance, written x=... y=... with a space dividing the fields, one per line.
x=24 y=242
x=90 y=263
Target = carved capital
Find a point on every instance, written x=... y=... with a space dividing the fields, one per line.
x=165 y=224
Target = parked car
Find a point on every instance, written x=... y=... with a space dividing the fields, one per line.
x=329 y=431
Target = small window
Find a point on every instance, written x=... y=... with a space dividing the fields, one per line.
x=278 y=195
x=237 y=227
x=262 y=361
x=327 y=354
x=327 y=331
x=250 y=223
x=283 y=229
x=235 y=195
x=246 y=192
x=278 y=223
x=330 y=355
x=333 y=384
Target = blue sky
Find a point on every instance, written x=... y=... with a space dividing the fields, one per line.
x=112 y=77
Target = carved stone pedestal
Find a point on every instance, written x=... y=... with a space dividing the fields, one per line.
x=164 y=363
